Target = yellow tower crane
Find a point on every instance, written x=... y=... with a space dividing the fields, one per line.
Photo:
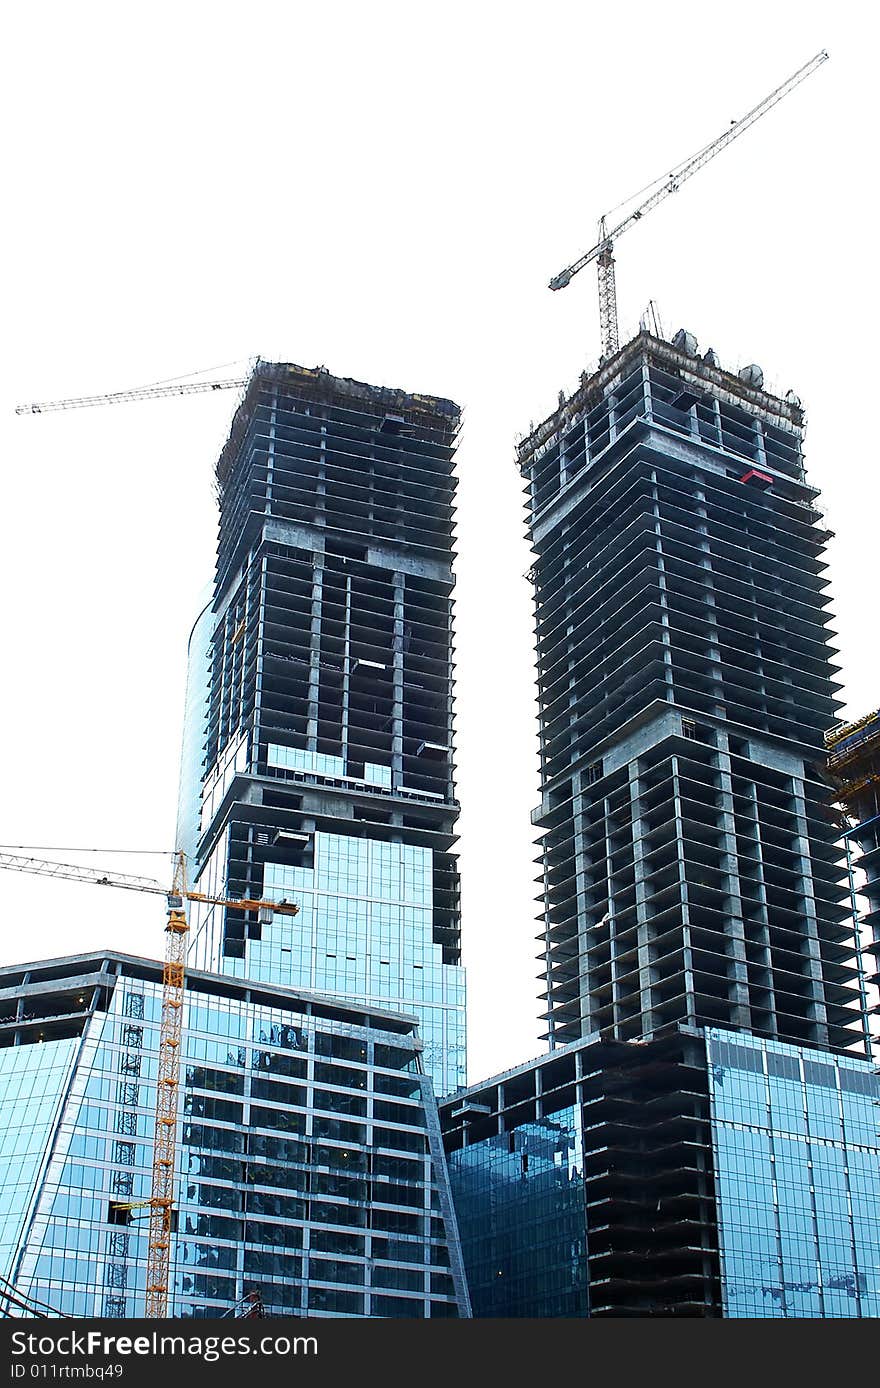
x=161 y=1201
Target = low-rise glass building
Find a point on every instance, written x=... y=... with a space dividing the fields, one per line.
x=694 y=1173
x=310 y=1166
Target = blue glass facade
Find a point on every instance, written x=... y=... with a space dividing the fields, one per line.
x=519 y=1198
x=189 y=792
x=702 y=1173
x=797 y=1171
x=310 y=1166
x=364 y=932
x=33 y=1082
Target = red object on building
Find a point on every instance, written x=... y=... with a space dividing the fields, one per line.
x=757 y=479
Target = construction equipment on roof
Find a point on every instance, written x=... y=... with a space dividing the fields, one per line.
x=602 y=252
x=161 y=1202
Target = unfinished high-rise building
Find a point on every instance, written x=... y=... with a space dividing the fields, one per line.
x=328 y=772
x=690 y=871
x=701 y=1139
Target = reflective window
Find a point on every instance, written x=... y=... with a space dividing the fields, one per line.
x=797 y=1173
x=365 y=931
x=519 y=1198
x=284 y=1169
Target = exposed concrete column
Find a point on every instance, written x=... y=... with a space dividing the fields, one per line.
x=647 y=402
x=740 y=1015
x=687 y=952
x=646 y=991
x=755 y=822
x=662 y=591
x=612 y=922
x=811 y=927
x=270 y=451
x=398 y=643
x=315 y=651
x=612 y=416
x=714 y=650
x=254 y=653
x=548 y=951
x=254 y=576
x=346 y=672
x=761 y=448
x=321 y=484
x=716 y=412
x=586 y=1001
x=450 y=701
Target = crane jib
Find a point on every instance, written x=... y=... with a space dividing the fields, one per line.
x=601 y=252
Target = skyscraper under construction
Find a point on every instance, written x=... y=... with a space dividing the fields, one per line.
x=702 y=1138
x=328 y=772
x=690 y=870
x=309 y=1171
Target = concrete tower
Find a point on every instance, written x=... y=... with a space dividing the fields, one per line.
x=702 y=1138
x=690 y=871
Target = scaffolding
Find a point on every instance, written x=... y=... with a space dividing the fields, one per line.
x=854 y=764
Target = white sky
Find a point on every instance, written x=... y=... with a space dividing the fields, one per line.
x=384 y=189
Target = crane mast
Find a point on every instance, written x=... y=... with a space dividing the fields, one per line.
x=161 y=1201
x=602 y=252
x=608 y=328
x=167 y=1086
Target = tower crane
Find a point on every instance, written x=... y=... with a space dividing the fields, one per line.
x=602 y=252
x=161 y=1201
x=119 y=397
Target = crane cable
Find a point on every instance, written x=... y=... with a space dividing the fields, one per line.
x=185 y=376
x=54 y=848
x=170 y=380
x=664 y=177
